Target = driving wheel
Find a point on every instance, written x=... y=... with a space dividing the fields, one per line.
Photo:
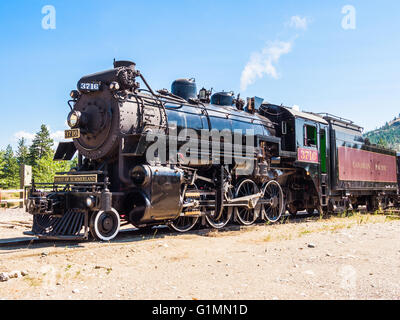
x=273 y=202
x=245 y=215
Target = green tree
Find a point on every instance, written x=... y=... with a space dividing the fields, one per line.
x=382 y=142
x=22 y=152
x=45 y=168
x=41 y=146
x=1 y=167
x=74 y=163
x=10 y=170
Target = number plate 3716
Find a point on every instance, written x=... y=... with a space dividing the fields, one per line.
x=90 y=86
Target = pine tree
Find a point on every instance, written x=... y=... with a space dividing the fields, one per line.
x=45 y=168
x=386 y=126
x=22 y=152
x=41 y=145
x=10 y=172
x=1 y=167
x=383 y=142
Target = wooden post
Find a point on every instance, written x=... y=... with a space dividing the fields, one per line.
x=25 y=175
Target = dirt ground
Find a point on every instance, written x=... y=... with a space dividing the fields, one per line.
x=356 y=257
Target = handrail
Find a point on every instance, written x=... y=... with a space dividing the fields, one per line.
x=333 y=117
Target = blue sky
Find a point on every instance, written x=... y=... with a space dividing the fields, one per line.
x=299 y=50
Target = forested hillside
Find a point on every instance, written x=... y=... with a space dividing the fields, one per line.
x=387 y=136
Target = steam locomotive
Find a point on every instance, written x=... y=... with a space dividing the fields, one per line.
x=185 y=157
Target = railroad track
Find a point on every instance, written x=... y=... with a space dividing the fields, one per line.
x=31 y=241
x=135 y=234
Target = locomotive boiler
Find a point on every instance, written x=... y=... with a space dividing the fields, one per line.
x=149 y=158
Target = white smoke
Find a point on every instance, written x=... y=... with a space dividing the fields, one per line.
x=264 y=62
x=298 y=22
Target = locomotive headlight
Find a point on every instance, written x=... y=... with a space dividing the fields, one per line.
x=74 y=94
x=89 y=202
x=73 y=118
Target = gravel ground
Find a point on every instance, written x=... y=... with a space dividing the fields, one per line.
x=13 y=222
x=14 y=214
x=355 y=257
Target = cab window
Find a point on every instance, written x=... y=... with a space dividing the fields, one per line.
x=310 y=136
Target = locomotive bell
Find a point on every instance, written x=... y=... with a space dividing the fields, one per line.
x=184 y=88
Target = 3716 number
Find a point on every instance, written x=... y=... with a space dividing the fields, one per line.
x=90 y=86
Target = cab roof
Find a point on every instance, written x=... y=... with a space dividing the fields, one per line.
x=306 y=115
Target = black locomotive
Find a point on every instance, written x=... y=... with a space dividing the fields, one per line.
x=177 y=158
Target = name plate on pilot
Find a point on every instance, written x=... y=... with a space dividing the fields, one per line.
x=91 y=178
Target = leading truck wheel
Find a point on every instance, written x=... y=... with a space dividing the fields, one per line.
x=104 y=226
